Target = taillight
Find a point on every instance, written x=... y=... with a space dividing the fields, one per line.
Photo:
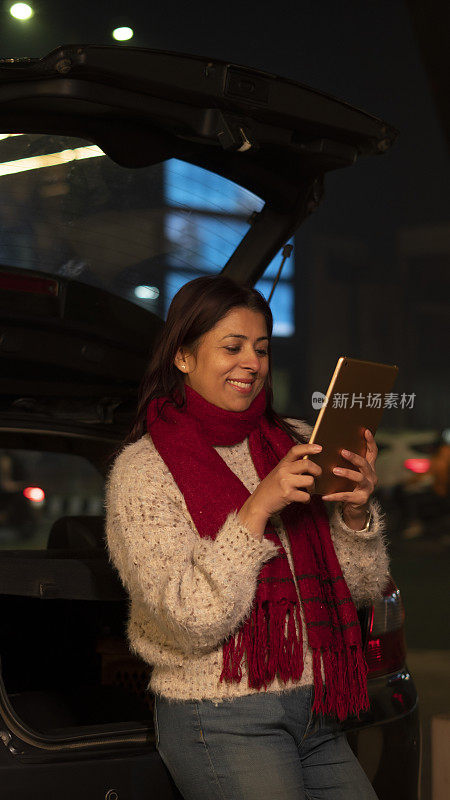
x=34 y=493
x=386 y=646
x=12 y=282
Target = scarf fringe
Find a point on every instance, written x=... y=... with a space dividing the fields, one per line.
x=344 y=692
x=283 y=655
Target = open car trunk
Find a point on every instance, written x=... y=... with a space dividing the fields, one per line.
x=272 y=136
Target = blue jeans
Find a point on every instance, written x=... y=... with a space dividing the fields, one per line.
x=257 y=747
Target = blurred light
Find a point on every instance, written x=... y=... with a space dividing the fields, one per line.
x=122 y=34
x=147 y=292
x=446 y=435
x=21 y=11
x=51 y=160
x=34 y=493
x=418 y=465
x=8 y=135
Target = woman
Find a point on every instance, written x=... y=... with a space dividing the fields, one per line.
x=242 y=589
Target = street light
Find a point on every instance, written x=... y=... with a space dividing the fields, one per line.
x=21 y=11
x=123 y=33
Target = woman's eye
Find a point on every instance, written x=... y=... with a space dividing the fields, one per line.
x=236 y=350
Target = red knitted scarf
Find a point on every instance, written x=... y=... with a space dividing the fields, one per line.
x=185 y=438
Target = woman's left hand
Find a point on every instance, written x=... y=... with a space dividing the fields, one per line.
x=364 y=474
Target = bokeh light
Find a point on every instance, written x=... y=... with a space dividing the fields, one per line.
x=122 y=34
x=21 y=11
x=35 y=494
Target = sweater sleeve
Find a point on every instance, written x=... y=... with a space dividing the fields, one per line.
x=200 y=588
x=362 y=556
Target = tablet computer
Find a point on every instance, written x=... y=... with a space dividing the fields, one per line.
x=354 y=401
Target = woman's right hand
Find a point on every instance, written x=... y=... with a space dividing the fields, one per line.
x=291 y=481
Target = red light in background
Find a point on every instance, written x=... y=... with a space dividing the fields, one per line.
x=34 y=493
x=418 y=465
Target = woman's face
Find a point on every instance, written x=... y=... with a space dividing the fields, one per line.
x=231 y=362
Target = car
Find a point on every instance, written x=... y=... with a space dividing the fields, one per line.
x=123 y=173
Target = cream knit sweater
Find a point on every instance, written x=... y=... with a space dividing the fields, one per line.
x=188 y=594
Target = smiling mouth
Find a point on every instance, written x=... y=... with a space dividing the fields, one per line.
x=241 y=385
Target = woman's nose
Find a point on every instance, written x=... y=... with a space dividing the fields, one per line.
x=250 y=361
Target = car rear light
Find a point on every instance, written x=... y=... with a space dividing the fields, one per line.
x=12 y=282
x=418 y=465
x=34 y=493
x=386 y=646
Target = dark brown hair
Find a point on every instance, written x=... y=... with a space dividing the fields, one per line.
x=196 y=309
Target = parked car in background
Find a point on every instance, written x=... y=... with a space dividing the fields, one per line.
x=126 y=173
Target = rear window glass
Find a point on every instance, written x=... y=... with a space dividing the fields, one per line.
x=68 y=209
x=38 y=490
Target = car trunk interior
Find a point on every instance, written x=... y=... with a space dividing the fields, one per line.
x=65 y=665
